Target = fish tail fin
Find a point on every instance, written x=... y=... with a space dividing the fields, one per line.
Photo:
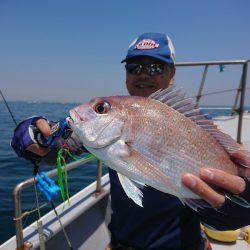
x=237 y=199
x=195 y=203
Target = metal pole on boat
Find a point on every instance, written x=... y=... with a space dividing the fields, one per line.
x=39 y=221
x=18 y=218
x=237 y=98
x=199 y=95
x=242 y=99
x=98 y=177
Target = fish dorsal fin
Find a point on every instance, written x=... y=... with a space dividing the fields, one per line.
x=175 y=98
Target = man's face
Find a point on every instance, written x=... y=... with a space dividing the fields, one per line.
x=144 y=84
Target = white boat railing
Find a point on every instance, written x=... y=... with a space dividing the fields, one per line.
x=240 y=91
x=18 y=214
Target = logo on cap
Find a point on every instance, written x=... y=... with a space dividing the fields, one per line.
x=147 y=44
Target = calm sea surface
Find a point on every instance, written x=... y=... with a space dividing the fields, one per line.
x=14 y=170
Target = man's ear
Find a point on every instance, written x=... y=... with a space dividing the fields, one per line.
x=172 y=81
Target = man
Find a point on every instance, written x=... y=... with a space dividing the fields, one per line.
x=163 y=222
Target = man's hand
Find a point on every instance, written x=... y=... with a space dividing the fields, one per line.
x=44 y=128
x=211 y=180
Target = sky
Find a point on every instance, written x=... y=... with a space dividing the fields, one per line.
x=71 y=51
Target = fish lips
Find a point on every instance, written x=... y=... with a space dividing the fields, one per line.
x=74 y=117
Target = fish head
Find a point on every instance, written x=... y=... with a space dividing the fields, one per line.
x=98 y=123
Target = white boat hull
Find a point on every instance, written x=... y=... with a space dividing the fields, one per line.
x=85 y=221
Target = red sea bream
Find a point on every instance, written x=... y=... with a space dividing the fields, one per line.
x=154 y=141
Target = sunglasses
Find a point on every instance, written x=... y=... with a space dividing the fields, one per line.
x=152 y=69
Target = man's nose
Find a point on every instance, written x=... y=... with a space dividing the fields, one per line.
x=144 y=74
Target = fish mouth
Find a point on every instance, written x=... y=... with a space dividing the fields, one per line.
x=74 y=117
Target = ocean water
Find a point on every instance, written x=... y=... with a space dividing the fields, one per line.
x=14 y=170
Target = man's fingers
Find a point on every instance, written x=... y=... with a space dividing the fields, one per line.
x=221 y=179
x=202 y=189
x=214 y=178
x=43 y=127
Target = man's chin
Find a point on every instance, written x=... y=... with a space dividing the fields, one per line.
x=144 y=92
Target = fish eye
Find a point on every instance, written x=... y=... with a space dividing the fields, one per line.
x=102 y=107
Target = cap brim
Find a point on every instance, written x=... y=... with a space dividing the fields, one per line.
x=164 y=59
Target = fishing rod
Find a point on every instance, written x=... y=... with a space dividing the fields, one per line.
x=58 y=132
x=14 y=120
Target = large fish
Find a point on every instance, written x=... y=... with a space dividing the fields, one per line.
x=154 y=141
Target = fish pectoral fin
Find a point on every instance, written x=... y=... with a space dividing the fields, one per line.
x=132 y=189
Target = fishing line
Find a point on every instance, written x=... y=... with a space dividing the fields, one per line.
x=39 y=221
x=62 y=227
x=8 y=108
